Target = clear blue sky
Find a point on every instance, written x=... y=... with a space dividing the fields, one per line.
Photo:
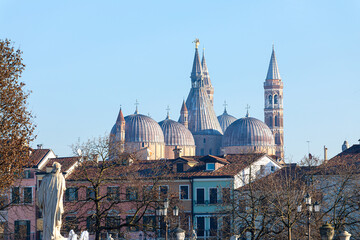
x=86 y=58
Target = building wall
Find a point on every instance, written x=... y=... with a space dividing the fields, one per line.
x=208 y=144
x=157 y=150
x=270 y=150
x=186 y=151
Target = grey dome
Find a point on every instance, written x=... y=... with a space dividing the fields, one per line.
x=141 y=128
x=248 y=131
x=225 y=120
x=176 y=134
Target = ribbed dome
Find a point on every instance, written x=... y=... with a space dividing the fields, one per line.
x=141 y=128
x=248 y=131
x=176 y=134
x=225 y=120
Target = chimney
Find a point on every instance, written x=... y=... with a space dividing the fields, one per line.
x=39 y=146
x=325 y=154
x=177 y=152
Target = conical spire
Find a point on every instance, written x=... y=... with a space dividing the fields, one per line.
x=273 y=71
x=183 y=107
x=120 y=117
x=206 y=79
x=196 y=73
x=203 y=63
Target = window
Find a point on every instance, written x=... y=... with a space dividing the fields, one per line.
x=200 y=196
x=112 y=221
x=204 y=140
x=200 y=226
x=213 y=195
x=163 y=192
x=28 y=195
x=226 y=197
x=276 y=99
x=210 y=151
x=276 y=121
x=15 y=195
x=71 y=194
x=277 y=138
x=226 y=227
x=179 y=167
x=134 y=221
x=22 y=229
x=210 y=166
x=131 y=193
x=27 y=174
x=213 y=226
x=270 y=99
x=113 y=193
x=271 y=121
x=272 y=168
x=90 y=223
x=149 y=222
x=71 y=223
x=184 y=192
x=90 y=193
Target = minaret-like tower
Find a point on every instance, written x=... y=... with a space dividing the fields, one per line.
x=273 y=89
x=207 y=83
x=117 y=134
x=184 y=115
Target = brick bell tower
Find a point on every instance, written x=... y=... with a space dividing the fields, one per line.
x=273 y=111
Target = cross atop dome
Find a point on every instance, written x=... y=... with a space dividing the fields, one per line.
x=247 y=110
x=136 y=104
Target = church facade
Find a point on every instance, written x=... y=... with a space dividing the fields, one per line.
x=199 y=131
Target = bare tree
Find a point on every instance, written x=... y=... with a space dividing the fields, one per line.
x=114 y=190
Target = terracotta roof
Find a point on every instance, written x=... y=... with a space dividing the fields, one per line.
x=66 y=162
x=164 y=168
x=37 y=155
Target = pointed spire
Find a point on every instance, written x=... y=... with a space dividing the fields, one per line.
x=273 y=71
x=203 y=63
x=183 y=107
x=120 y=117
x=196 y=69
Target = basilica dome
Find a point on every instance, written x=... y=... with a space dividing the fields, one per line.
x=248 y=131
x=141 y=128
x=176 y=134
x=225 y=120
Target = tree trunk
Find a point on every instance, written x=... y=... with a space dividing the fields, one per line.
x=289 y=233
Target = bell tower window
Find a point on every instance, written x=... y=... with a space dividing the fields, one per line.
x=276 y=99
x=276 y=121
x=270 y=99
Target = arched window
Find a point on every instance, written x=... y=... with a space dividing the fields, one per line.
x=204 y=140
x=276 y=121
x=270 y=99
x=276 y=99
x=271 y=121
x=277 y=139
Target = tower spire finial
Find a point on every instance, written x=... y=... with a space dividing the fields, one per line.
x=225 y=105
x=168 y=112
x=136 y=104
x=247 y=110
x=197 y=42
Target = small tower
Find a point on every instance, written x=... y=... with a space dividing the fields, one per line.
x=117 y=135
x=345 y=145
x=207 y=83
x=273 y=111
x=184 y=115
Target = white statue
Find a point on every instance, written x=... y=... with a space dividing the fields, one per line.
x=84 y=235
x=72 y=235
x=50 y=201
x=109 y=237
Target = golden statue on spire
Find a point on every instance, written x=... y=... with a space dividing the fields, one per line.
x=197 y=42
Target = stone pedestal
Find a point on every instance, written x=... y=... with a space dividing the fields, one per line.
x=179 y=233
x=344 y=236
x=326 y=232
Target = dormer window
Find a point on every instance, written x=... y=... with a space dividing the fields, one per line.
x=210 y=166
x=180 y=167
